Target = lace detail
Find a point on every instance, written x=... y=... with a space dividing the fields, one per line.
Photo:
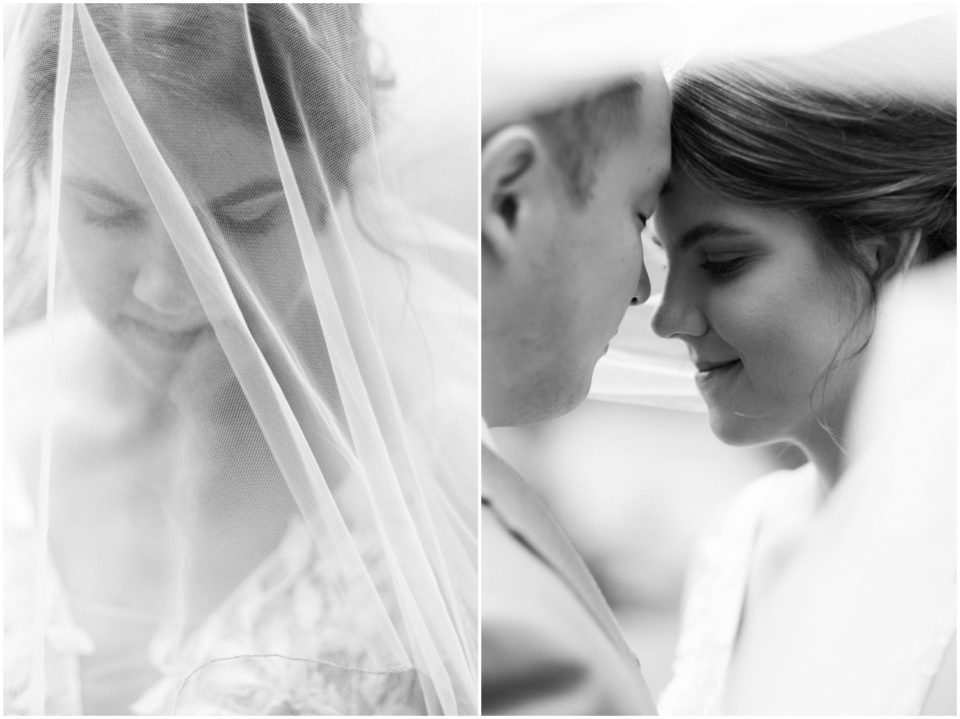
x=904 y=660
x=715 y=586
x=290 y=609
x=313 y=661
x=919 y=667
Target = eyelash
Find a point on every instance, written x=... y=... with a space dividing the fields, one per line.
x=725 y=268
x=253 y=226
x=130 y=218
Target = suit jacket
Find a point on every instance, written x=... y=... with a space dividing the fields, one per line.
x=550 y=644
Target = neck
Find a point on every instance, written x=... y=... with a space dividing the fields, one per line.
x=825 y=445
x=829 y=459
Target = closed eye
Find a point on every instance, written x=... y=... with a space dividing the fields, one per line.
x=724 y=268
x=102 y=206
x=124 y=218
x=252 y=216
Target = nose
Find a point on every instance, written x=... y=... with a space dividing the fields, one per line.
x=678 y=314
x=643 y=287
x=161 y=282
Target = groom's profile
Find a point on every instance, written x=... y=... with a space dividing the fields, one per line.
x=567 y=185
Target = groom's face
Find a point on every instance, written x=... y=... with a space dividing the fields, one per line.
x=581 y=262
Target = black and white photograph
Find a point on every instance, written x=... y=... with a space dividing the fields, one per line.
x=718 y=249
x=240 y=359
x=480 y=358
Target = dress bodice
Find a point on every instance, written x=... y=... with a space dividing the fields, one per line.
x=287 y=640
x=714 y=592
x=890 y=668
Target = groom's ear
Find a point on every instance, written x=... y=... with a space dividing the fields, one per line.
x=512 y=164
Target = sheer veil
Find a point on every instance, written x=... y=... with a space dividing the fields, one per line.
x=241 y=371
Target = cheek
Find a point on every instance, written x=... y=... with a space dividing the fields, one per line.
x=786 y=326
x=99 y=263
x=618 y=262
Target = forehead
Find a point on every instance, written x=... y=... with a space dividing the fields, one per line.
x=640 y=160
x=207 y=150
x=684 y=202
x=686 y=206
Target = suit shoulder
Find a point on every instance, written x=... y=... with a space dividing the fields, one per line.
x=542 y=651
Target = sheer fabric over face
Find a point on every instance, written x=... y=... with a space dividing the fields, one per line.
x=241 y=375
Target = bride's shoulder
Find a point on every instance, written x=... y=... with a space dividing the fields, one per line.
x=729 y=538
x=47 y=375
x=32 y=352
x=745 y=507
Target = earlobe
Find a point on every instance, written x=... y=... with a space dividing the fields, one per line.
x=509 y=161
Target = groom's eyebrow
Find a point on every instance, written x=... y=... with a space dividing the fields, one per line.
x=707 y=229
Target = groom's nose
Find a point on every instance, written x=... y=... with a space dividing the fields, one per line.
x=643 y=287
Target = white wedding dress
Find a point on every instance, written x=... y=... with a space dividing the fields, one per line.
x=715 y=591
x=287 y=607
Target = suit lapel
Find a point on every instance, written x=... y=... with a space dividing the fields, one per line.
x=523 y=512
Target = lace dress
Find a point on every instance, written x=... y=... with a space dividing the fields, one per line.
x=892 y=681
x=286 y=606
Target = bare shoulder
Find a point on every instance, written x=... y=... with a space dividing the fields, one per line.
x=25 y=354
x=51 y=379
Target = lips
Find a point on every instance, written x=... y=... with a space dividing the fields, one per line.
x=161 y=334
x=711 y=365
x=717 y=375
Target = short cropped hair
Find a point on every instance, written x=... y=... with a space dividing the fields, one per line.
x=577 y=134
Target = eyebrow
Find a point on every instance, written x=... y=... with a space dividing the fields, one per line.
x=254 y=189
x=93 y=187
x=708 y=229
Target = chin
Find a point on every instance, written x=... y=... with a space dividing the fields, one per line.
x=575 y=394
x=739 y=431
x=551 y=397
x=151 y=369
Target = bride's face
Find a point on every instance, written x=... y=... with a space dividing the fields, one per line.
x=120 y=256
x=764 y=315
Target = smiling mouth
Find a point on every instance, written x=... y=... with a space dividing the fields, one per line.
x=166 y=337
x=707 y=368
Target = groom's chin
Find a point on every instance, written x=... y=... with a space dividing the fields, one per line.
x=551 y=397
x=570 y=395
